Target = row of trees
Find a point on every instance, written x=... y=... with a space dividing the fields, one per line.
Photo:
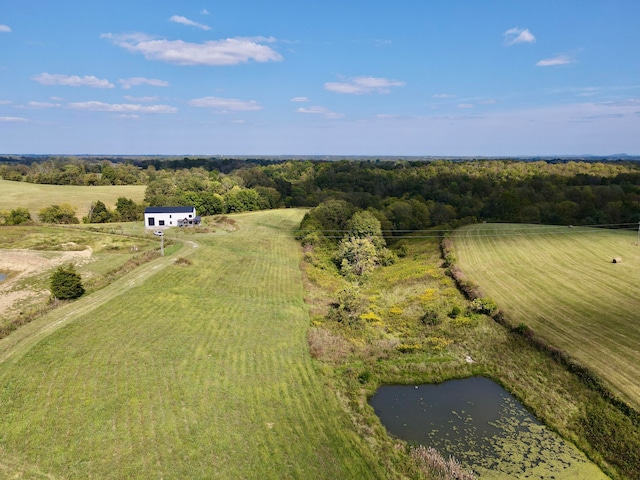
x=402 y=195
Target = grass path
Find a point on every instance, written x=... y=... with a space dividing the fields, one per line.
x=561 y=283
x=199 y=371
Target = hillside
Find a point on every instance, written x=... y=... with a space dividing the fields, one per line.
x=561 y=282
x=191 y=370
x=34 y=197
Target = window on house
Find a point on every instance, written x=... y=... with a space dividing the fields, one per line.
x=161 y=223
x=152 y=221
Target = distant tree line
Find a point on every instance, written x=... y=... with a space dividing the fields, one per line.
x=402 y=195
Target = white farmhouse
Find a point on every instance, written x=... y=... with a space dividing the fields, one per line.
x=164 y=217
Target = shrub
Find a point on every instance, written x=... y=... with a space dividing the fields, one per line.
x=18 y=216
x=66 y=283
x=63 y=213
x=484 y=305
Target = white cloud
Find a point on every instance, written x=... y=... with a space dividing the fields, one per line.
x=5 y=28
x=361 y=85
x=13 y=119
x=43 y=105
x=320 y=111
x=124 y=108
x=444 y=95
x=127 y=83
x=518 y=35
x=224 y=105
x=186 y=21
x=558 y=60
x=141 y=99
x=5 y=102
x=465 y=105
x=300 y=99
x=230 y=51
x=72 y=80
x=204 y=11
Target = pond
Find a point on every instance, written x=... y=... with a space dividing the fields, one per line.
x=478 y=422
x=3 y=277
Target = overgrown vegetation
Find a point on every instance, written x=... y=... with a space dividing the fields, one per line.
x=602 y=412
x=408 y=323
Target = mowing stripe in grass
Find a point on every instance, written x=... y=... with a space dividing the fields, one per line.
x=561 y=283
x=201 y=371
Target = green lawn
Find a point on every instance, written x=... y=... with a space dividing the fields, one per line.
x=34 y=196
x=561 y=282
x=190 y=371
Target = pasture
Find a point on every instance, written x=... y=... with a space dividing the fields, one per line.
x=192 y=370
x=34 y=196
x=561 y=282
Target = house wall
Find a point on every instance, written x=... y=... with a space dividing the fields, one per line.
x=165 y=220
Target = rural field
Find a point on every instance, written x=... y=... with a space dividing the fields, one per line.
x=561 y=283
x=195 y=369
x=34 y=196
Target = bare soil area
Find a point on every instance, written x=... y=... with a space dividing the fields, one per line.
x=21 y=265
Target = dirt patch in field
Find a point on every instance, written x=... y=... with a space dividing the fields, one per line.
x=23 y=264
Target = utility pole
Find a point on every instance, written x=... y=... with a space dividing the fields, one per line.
x=638 y=240
x=162 y=245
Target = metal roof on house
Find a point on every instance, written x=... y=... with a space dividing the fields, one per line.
x=169 y=210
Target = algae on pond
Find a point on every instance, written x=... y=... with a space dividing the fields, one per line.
x=476 y=421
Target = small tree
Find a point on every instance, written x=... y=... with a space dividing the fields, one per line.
x=66 y=283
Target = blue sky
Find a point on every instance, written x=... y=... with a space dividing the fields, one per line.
x=348 y=77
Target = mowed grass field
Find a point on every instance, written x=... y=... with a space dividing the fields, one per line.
x=34 y=197
x=183 y=371
x=561 y=282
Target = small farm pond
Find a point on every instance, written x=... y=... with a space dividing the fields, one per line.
x=3 y=277
x=483 y=426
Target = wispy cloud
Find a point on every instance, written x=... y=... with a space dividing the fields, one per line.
x=124 y=108
x=320 y=111
x=518 y=35
x=443 y=95
x=204 y=11
x=185 y=21
x=230 y=51
x=127 y=83
x=72 y=80
x=225 y=105
x=465 y=105
x=5 y=28
x=43 y=105
x=553 y=61
x=13 y=119
x=141 y=99
x=300 y=99
x=362 y=85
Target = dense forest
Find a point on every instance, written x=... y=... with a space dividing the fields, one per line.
x=403 y=195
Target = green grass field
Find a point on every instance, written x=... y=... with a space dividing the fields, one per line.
x=34 y=197
x=181 y=371
x=561 y=282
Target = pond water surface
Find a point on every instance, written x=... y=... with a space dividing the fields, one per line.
x=483 y=426
x=3 y=277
